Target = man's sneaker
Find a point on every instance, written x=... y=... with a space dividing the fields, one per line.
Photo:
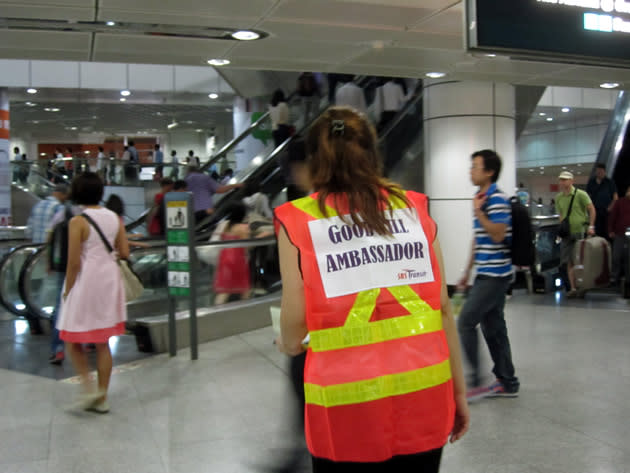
x=475 y=394
x=498 y=390
x=57 y=358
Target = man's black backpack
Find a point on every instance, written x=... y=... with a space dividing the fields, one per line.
x=523 y=249
x=58 y=243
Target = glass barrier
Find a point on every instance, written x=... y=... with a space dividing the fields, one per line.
x=31 y=177
x=10 y=268
x=546 y=242
x=255 y=261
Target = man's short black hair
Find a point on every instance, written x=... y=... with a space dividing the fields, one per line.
x=87 y=189
x=600 y=166
x=179 y=185
x=491 y=162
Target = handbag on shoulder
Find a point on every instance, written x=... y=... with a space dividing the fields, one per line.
x=131 y=281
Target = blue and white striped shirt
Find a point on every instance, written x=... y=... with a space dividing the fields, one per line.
x=494 y=259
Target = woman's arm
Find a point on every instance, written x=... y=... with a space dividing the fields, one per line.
x=77 y=234
x=292 y=312
x=122 y=244
x=462 y=414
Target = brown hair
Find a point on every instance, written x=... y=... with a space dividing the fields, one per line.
x=344 y=159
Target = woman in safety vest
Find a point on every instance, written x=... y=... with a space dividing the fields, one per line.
x=362 y=275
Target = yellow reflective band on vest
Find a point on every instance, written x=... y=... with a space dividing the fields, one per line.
x=378 y=388
x=358 y=330
x=311 y=206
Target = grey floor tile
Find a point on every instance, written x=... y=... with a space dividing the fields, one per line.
x=17 y=444
x=28 y=467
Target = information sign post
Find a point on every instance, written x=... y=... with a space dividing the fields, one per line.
x=180 y=252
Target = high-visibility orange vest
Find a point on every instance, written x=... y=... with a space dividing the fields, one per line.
x=377 y=378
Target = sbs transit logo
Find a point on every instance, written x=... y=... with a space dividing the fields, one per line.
x=406 y=274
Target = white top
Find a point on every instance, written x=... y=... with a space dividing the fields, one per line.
x=351 y=95
x=389 y=97
x=279 y=115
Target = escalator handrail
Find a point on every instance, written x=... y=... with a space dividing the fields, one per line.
x=402 y=113
x=3 y=263
x=617 y=125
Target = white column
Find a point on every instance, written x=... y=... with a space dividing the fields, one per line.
x=5 y=156
x=250 y=147
x=460 y=118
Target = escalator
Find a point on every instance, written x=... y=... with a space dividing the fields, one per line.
x=29 y=289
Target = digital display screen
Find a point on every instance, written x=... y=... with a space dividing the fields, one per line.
x=578 y=31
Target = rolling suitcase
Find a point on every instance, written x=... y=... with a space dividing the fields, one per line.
x=592 y=267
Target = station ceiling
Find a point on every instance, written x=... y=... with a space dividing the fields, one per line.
x=406 y=38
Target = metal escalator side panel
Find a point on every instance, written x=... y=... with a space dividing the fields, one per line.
x=10 y=268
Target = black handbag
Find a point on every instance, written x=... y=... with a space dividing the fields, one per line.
x=564 y=230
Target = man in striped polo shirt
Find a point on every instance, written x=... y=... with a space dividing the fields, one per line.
x=486 y=300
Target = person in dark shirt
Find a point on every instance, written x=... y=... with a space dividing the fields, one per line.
x=618 y=222
x=603 y=193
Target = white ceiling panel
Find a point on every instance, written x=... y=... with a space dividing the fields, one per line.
x=150 y=77
x=55 y=73
x=42 y=40
x=420 y=40
x=307 y=48
x=14 y=73
x=289 y=30
x=103 y=76
x=440 y=60
x=350 y=13
x=434 y=4
x=137 y=45
x=82 y=10
x=180 y=18
x=449 y=22
x=219 y=8
x=155 y=57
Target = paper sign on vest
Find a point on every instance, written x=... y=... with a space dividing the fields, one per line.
x=351 y=259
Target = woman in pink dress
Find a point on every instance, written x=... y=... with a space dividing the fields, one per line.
x=232 y=274
x=93 y=303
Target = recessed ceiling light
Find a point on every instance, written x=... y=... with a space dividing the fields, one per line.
x=579 y=165
x=213 y=95
x=542 y=172
x=35 y=122
x=542 y=114
x=87 y=151
x=228 y=109
x=31 y=90
x=123 y=99
x=435 y=75
x=125 y=93
x=609 y=85
x=198 y=130
x=549 y=119
x=566 y=110
x=190 y=122
x=42 y=154
x=47 y=109
x=564 y=167
x=110 y=23
x=158 y=113
x=30 y=104
x=172 y=125
x=94 y=117
x=245 y=35
x=218 y=62
x=73 y=128
x=531 y=170
x=491 y=55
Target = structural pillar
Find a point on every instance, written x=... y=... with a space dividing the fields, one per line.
x=460 y=118
x=5 y=170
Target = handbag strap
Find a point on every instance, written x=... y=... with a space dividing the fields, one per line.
x=571 y=204
x=99 y=231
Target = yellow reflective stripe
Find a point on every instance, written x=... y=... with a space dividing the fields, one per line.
x=375 y=332
x=397 y=203
x=409 y=299
x=362 y=309
x=378 y=388
x=311 y=206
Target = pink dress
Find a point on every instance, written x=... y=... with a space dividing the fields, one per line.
x=232 y=270
x=95 y=307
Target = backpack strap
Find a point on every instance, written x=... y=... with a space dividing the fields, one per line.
x=99 y=231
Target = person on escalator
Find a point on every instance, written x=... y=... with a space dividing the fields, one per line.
x=203 y=187
x=389 y=99
x=233 y=274
x=279 y=114
x=156 y=220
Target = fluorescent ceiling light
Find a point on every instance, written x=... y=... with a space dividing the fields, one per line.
x=31 y=90
x=30 y=104
x=87 y=151
x=123 y=99
x=531 y=170
x=199 y=130
x=218 y=62
x=435 y=75
x=549 y=119
x=125 y=93
x=566 y=110
x=213 y=95
x=609 y=85
x=74 y=128
x=110 y=23
x=491 y=55
x=542 y=114
x=245 y=35
x=172 y=125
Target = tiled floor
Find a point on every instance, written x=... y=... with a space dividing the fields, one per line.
x=226 y=412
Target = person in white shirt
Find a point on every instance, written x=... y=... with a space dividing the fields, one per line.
x=279 y=114
x=389 y=99
x=351 y=95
